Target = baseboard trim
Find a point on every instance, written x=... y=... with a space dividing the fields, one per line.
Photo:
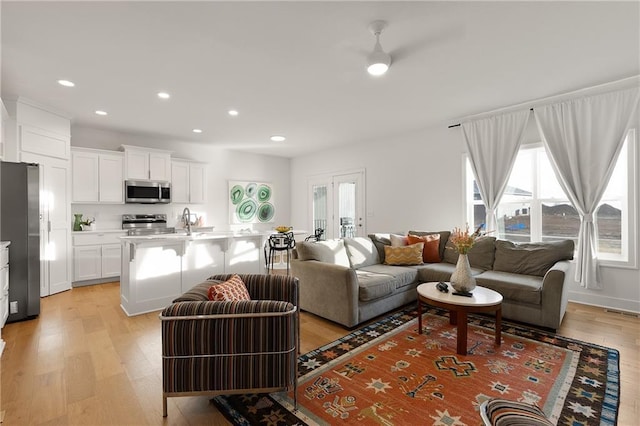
x=613 y=303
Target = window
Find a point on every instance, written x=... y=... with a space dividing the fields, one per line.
x=534 y=207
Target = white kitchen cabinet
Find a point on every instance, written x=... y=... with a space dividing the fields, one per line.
x=111 y=260
x=97 y=255
x=87 y=263
x=188 y=182
x=84 y=176
x=55 y=223
x=111 y=177
x=4 y=288
x=4 y=283
x=97 y=176
x=146 y=163
x=37 y=134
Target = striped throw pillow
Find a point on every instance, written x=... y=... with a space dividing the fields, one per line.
x=406 y=255
x=231 y=290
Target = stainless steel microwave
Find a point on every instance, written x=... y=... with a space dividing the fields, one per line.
x=147 y=191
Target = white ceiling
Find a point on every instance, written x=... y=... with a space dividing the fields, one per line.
x=298 y=68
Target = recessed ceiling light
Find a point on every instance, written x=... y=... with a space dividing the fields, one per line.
x=278 y=138
x=163 y=95
x=233 y=112
x=99 y=112
x=197 y=130
x=66 y=83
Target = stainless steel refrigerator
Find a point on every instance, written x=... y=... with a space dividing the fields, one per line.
x=20 y=224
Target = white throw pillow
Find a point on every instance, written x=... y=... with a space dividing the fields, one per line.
x=398 y=240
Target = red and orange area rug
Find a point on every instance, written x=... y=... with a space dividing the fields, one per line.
x=388 y=374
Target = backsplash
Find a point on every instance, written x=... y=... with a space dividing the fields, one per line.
x=109 y=216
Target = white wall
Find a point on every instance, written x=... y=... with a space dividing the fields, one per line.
x=404 y=180
x=415 y=182
x=224 y=165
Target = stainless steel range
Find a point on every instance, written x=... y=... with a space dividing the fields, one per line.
x=146 y=224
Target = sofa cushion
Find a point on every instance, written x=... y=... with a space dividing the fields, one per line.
x=373 y=286
x=380 y=240
x=197 y=293
x=330 y=251
x=401 y=275
x=444 y=237
x=516 y=287
x=439 y=272
x=531 y=258
x=361 y=251
x=431 y=251
x=231 y=290
x=407 y=255
x=481 y=255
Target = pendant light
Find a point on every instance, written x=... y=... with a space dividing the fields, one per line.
x=378 y=61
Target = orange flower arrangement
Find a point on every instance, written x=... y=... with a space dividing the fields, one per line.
x=462 y=240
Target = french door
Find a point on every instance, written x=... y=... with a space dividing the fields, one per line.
x=337 y=204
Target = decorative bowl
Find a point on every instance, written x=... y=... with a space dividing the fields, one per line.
x=283 y=229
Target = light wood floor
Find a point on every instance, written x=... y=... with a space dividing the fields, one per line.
x=83 y=362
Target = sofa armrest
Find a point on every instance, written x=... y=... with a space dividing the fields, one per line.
x=555 y=293
x=328 y=290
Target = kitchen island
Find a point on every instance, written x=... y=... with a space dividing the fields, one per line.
x=158 y=268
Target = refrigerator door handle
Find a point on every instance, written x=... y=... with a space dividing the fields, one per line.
x=49 y=226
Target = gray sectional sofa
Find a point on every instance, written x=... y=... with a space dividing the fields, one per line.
x=347 y=280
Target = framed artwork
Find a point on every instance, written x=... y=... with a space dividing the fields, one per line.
x=250 y=202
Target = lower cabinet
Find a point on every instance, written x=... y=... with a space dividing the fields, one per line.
x=111 y=260
x=96 y=255
x=87 y=263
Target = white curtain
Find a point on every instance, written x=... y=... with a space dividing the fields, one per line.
x=493 y=144
x=583 y=138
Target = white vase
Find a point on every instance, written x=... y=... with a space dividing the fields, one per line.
x=461 y=280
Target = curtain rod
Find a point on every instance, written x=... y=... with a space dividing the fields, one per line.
x=538 y=102
x=458 y=125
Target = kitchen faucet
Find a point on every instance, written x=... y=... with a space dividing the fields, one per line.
x=186 y=218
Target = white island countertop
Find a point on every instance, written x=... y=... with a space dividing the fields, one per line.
x=197 y=235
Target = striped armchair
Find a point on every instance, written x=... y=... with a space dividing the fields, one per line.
x=213 y=348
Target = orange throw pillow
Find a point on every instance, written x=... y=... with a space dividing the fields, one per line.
x=231 y=290
x=431 y=250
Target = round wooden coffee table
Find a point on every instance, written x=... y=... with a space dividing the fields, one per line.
x=483 y=300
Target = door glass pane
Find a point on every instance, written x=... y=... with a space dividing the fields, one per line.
x=514 y=222
x=319 y=207
x=347 y=209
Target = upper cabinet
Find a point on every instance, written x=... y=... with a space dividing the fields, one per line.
x=97 y=176
x=146 y=163
x=188 y=182
x=35 y=129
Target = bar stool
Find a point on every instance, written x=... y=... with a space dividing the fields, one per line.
x=316 y=236
x=281 y=242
